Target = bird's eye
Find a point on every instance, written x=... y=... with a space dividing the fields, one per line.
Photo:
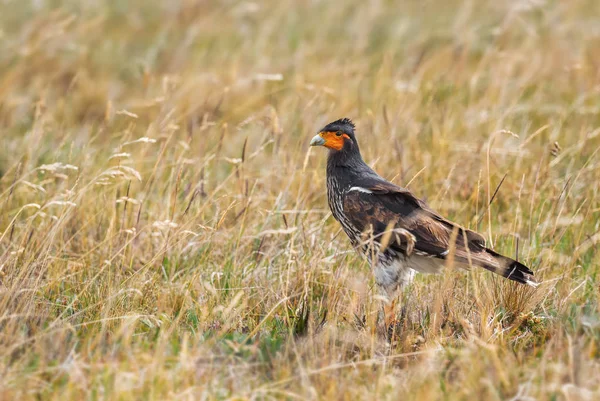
x=339 y=133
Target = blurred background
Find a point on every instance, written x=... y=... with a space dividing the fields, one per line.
x=164 y=231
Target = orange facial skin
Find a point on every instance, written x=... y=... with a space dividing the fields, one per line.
x=333 y=140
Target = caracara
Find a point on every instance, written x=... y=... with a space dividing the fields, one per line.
x=396 y=231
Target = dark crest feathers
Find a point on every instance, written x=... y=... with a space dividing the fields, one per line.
x=345 y=121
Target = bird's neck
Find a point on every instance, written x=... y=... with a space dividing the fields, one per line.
x=345 y=165
x=347 y=157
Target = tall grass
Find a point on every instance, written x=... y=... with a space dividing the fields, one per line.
x=164 y=232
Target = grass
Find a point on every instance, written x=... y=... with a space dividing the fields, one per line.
x=164 y=231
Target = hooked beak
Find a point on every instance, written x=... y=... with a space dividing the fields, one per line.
x=317 y=140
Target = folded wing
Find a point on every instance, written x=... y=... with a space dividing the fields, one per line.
x=376 y=206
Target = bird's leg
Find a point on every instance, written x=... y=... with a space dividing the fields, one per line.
x=389 y=313
x=395 y=324
x=391 y=321
x=386 y=316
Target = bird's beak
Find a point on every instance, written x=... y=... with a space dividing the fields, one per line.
x=317 y=140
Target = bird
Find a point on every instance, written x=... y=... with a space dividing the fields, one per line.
x=398 y=233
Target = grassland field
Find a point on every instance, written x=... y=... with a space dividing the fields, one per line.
x=164 y=229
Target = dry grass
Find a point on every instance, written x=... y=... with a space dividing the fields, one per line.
x=164 y=232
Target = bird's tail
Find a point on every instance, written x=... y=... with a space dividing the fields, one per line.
x=505 y=267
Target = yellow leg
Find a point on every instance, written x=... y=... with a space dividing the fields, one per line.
x=389 y=313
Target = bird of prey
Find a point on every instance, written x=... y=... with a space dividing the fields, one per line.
x=396 y=231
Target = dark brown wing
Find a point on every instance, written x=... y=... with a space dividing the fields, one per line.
x=377 y=204
x=373 y=206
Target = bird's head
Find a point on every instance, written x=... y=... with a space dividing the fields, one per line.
x=337 y=136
